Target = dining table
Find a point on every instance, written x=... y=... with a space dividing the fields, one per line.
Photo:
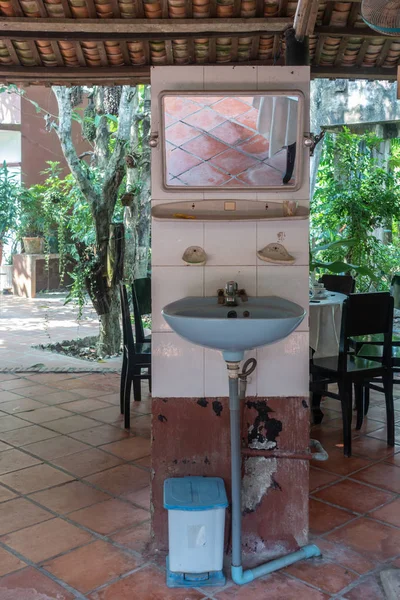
x=325 y=316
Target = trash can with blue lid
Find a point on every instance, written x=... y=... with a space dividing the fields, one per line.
x=196 y=524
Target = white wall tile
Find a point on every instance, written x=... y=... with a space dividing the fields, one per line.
x=216 y=376
x=170 y=240
x=230 y=243
x=170 y=284
x=294 y=236
x=282 y=368
x=216 y=277
x=177 y=366
x=288 y=282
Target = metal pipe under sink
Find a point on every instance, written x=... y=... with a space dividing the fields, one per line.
x=240 y=576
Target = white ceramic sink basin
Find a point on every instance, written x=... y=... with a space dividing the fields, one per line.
x=233 y=329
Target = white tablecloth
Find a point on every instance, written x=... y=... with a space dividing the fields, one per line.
x=277 y=120
x=325 y=320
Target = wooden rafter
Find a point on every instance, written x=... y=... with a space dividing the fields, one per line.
x=132 y=75
x=305 y=17
x=134 y=29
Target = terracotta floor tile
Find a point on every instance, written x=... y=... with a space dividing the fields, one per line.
x=204 y=174
x=103 y=434
x=68 y=497
x=337 y=463
x=9 y=563
x=84 y=406
x=354 y=496
x=20 y=513
x=379 y=434
x=10 y=423
x=106 y=563
x=70 y=384
x=369 y=589
x=6 y=396
x=71 y=424
x=56 y=447
x=180 y=107
x=45 y=540
x=144 y=462
x=121 y=480
x=148 y=584
x=4 y=446
x=27 y=435
x=87 y=462
x=368 y=447
x=389 y=513
x=42 y=415
x=179 y=161
x=231 y=133
x=60 y=397
x=20 y=405
x=205 y=119
x=345 y=557
x=130 y=449
x=13 y=460
x=140 y=497
x=394 y=460
x=50 y=378
x=5 y=494
x=319 y=478
x=205 y=146
x=230 y=107
x=34 y=479
x=257 y=146
x=233 y=162
x=382 y=475
x=323 y=574
x=274 y=587
x=14 y=384
x=34 y=391
x=248 y=119
x=323 y=517
x=370 y=538
x=179 y=133
x=7 y=377
x=262 y=175
x=19 y=586
x=109 y=516
x=107 y=415
x=135 y=538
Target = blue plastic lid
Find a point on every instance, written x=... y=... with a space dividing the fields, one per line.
x=194 y=493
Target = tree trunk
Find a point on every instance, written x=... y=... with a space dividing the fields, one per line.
x=110 y=329
x=144 y=212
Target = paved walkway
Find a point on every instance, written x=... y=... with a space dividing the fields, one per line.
x=43 y=320
x=75 y=502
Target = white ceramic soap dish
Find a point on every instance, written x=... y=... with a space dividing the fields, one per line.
x=194 y=256
x=276 y=254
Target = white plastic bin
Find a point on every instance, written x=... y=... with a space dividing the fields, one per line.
x=196 y=523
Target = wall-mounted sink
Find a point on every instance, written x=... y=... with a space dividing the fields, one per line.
x=233 y=329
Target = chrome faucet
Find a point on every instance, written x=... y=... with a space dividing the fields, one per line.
x=231 y=294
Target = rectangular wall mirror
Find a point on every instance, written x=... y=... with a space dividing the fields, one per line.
x=223 y=140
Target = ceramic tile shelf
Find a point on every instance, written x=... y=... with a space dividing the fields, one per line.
x=225 y=210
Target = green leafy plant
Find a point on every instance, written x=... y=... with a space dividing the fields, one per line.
x=10 y=195
x=336 y=267
x=357 y=197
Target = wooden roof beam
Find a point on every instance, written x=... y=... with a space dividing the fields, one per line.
x=354 y=73
x=135 y=29
x=305 y=18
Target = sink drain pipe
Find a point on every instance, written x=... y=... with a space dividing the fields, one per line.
x=240 y=576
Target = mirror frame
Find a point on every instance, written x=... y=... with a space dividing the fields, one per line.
x=298 y=170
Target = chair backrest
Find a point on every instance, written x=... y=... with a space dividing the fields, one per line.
x=366 y=314
x=344 y=284
x=141 y=297
x=127 y=332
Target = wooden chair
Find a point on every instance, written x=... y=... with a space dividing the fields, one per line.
x=136 y=357
x=363 y=314
x=141 y=298
x=343 y=284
